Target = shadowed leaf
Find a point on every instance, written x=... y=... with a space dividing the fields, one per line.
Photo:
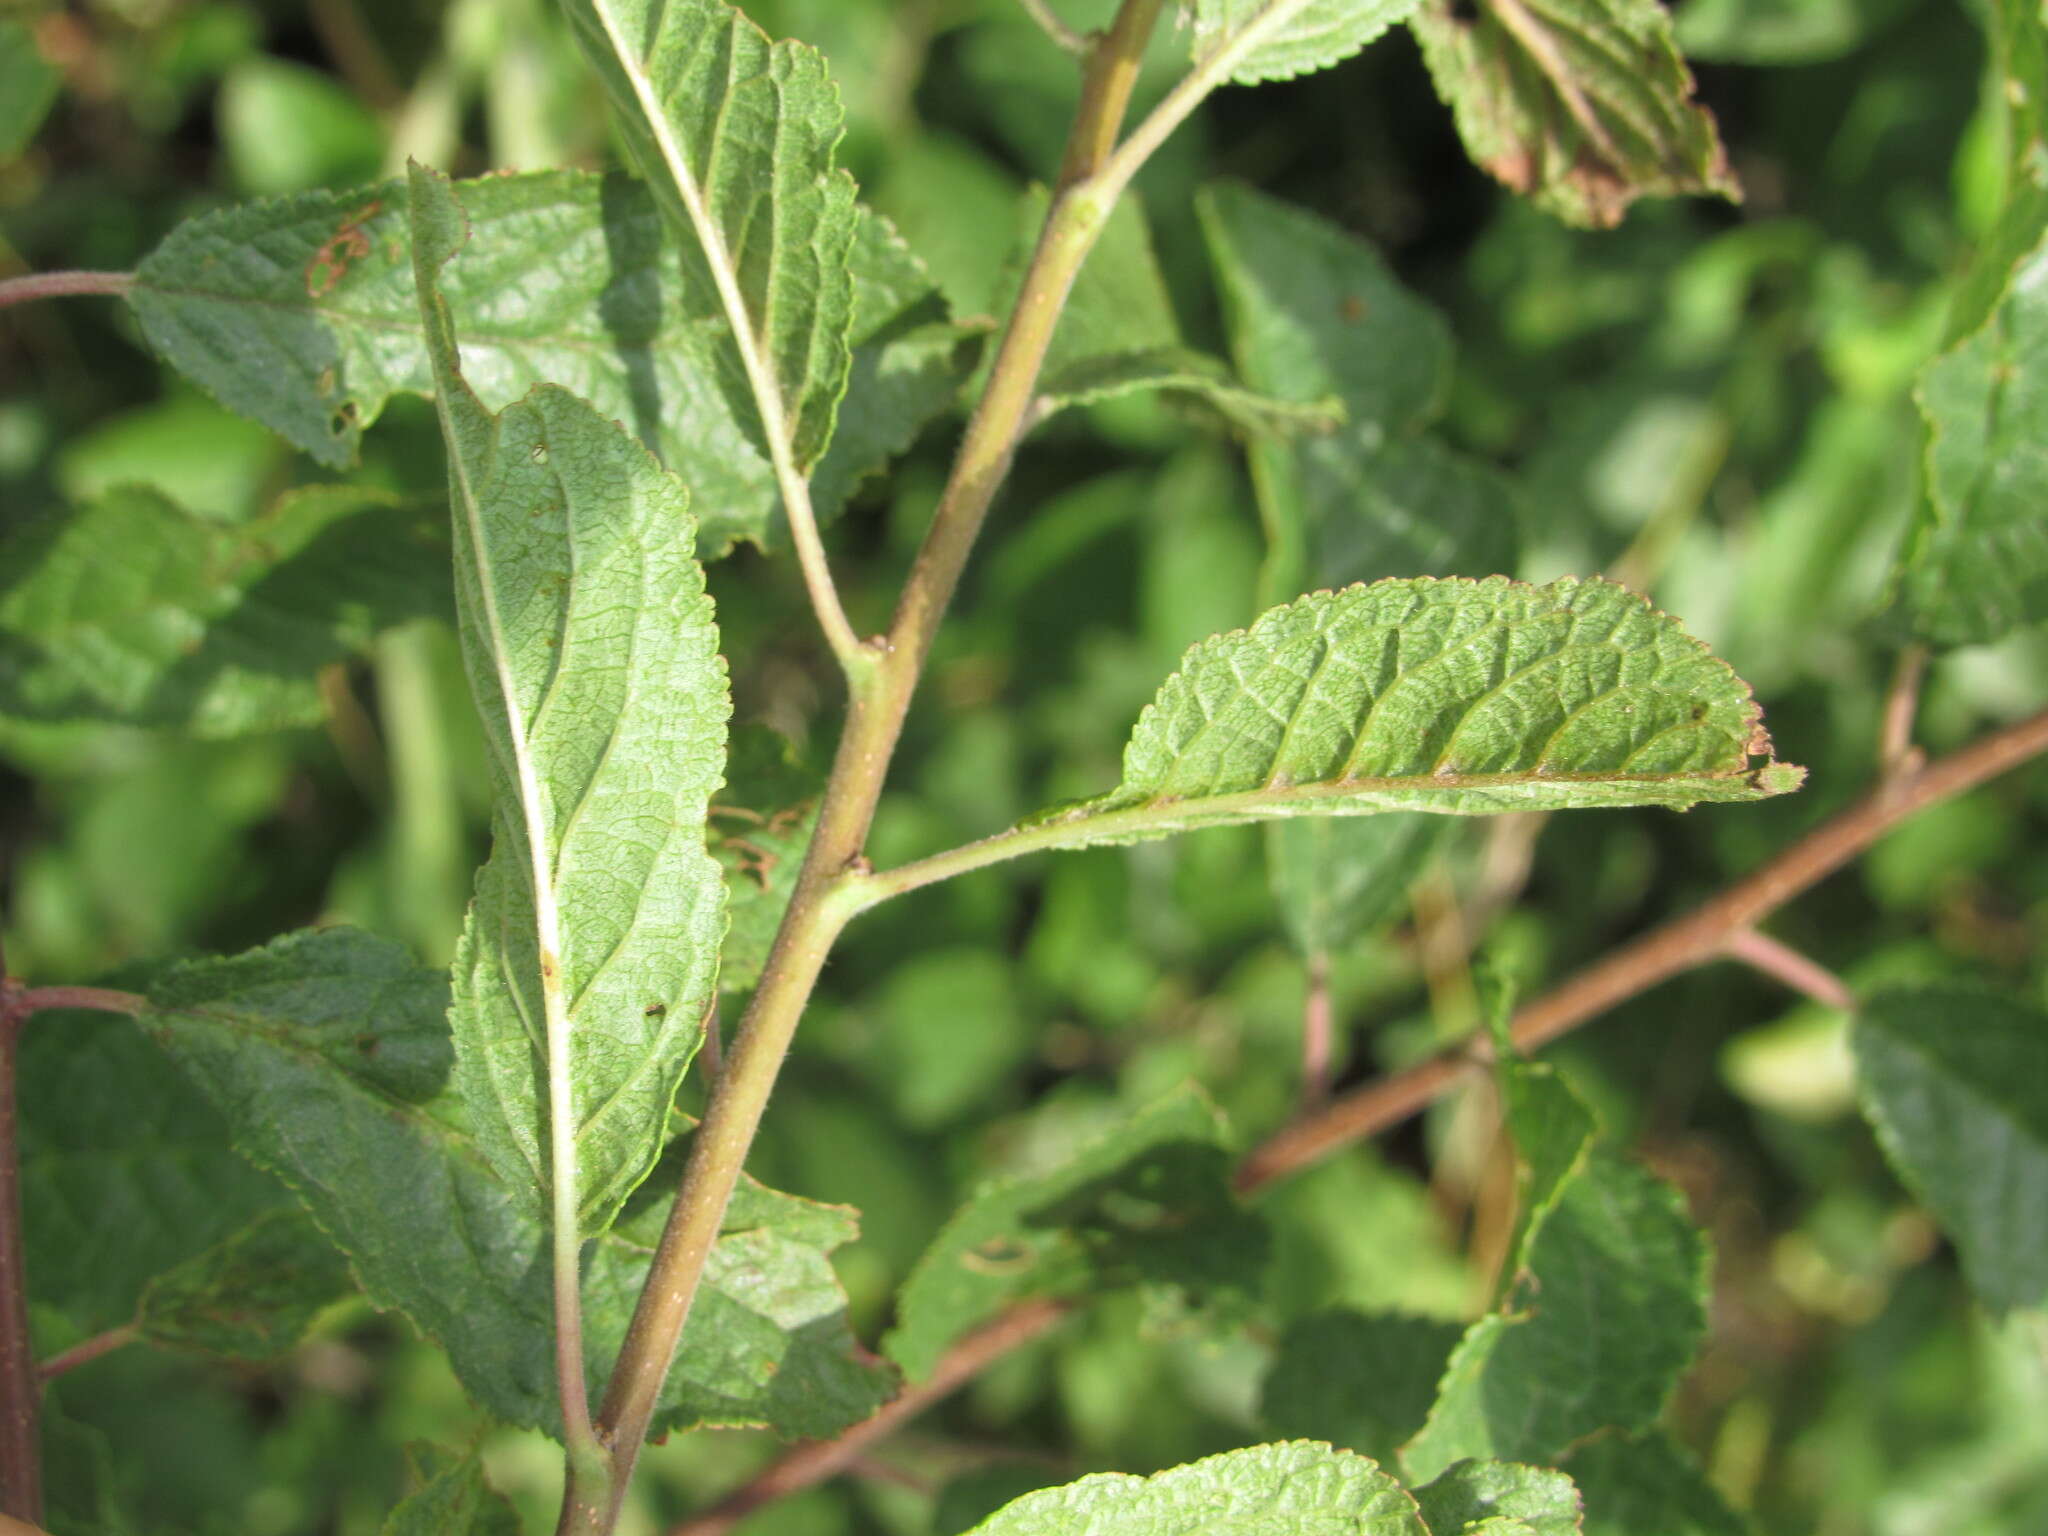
x=1149 y=1203
x=736 y=135
x=329 y=1055
x=251 y=1296
x=1363 y=1381
x=1584 y=105
x=300 y=312
x=1955 y=1079
x=451 y=1499
x=132 y=609
x=1533 y=1378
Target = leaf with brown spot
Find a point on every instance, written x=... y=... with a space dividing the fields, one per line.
x=1583 y=105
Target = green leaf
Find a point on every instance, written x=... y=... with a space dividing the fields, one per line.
x=1363 y=1381
x=1408 y=508
x=1584 y=105
x=1454 y=696
x=134 y=610
x=1279 y=39
x=1149 y=1204
x=1976 y=565
x=1117 y=335
x=1315 y=313
x=591 y=950
x=251 y=1296
x=1294 y=1487
x=1474 y=1495
x=1643 y=1485
x=1553 y=1131
x=1119 y=303
x=1312 y=309
x=761 y=825
x=1955 y=1080
x=452 y=1499
x=2019 y=61
x=126 y=1170
x=736 y=135
x=1529 y=1381
x=329 y=1053
x=1340 y=879
x=767 y=1342
x=301 y=313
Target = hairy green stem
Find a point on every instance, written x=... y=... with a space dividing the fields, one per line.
x=825 y=896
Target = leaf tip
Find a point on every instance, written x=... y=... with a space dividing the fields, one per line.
x=1776 y=778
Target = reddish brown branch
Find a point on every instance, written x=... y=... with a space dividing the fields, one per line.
x=1704 y=934
x=1782 y=963
x=21 y=1494
x=21 y=1481
x=820 y=1459
x=58 y=285
x=88 y=1350
x=1664 y=952
x=21 y=1002
x=1318 y=1032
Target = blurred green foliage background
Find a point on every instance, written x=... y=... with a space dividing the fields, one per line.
x=1714 y=402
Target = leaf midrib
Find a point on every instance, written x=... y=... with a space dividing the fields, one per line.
x=761 y=377
x=547 y=918
x=1162 y=806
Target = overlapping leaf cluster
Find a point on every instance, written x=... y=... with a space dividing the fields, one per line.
x=632 y=376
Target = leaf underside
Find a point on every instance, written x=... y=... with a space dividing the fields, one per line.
x=329 y=1055
x=1314 y=36
x=131 y=609
x=591 y=948
x=250 y=1297
x=1363 y=1381
x=301 y=313
x=1461 y=697
x=451 y=1499
x=1638 y=1483
x=736 y=135
x=1977 y=564
x=1955 y=1079
x=1584 y=105
x=1530 y=1380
